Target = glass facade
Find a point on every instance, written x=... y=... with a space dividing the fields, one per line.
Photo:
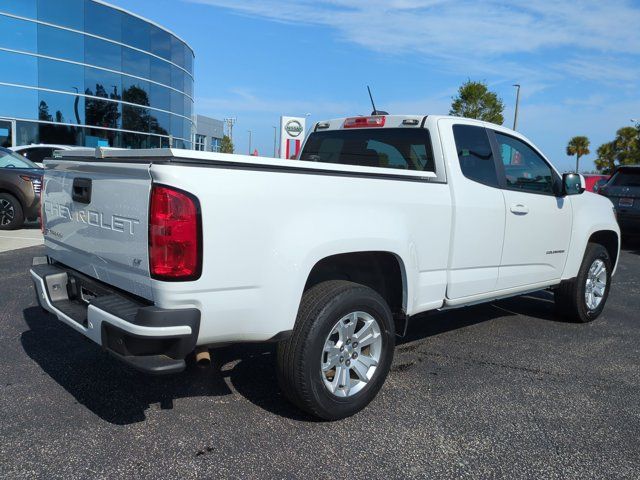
x=83 y=72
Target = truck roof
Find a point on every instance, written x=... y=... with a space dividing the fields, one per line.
x=403 y=121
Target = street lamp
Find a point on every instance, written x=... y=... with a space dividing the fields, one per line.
x=250 y=133
x=515 y=116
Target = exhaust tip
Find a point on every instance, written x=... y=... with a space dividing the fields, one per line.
x=203 y=357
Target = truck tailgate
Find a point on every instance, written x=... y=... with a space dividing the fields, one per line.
x=95 y=218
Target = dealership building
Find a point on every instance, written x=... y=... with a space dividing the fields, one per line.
x=83 y=72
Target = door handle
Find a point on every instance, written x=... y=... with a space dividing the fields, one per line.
x=519 y=209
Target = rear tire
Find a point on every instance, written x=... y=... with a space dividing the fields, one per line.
x=583 y=298
x=322 y=368
x=11 y=214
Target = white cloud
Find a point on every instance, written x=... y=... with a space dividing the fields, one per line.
x=605 y=69
x=463 y=29
x=543 y=44
x=539 y=43
x=244 y=100
x=489 y=27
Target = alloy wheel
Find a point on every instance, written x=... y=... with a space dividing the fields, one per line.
x=596 y=285
x=351 y=354
x=7 y=212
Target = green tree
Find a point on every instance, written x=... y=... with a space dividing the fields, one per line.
x=623 y=150
x=43 y=112
x=627 y=146
x=606 y=160
x=226 y=145
x=578 y=146
x=99 y=112
x=475 y=100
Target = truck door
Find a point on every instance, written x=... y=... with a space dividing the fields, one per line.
x=538 y=223
x=479 y=210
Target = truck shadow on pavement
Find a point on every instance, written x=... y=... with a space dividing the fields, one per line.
x=122 y=396
x=631 y=244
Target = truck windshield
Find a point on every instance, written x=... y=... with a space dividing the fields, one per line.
x=400 y=148
x=9 y=159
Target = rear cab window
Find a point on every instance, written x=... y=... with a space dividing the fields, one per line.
x=626 y=178
x=396 y=148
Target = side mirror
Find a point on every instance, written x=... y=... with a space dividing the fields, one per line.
x=573 y=184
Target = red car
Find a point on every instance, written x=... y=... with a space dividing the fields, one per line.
x=594 y=182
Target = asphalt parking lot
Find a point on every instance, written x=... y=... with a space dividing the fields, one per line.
x=503 y=390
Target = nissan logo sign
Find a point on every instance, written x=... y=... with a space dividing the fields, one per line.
x=293 y=128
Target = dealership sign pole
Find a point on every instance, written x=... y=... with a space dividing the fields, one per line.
x=291 y=136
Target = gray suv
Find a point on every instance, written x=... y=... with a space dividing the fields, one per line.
x=623 y=189
x=20 y=187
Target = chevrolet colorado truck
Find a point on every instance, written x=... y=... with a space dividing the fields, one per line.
x=154 y=254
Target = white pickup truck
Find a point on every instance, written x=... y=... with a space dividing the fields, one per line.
x=154 y=254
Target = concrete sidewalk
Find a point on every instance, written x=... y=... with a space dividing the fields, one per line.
x=29 y=236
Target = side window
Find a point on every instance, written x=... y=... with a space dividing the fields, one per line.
x=524 y=168
x=475 y=155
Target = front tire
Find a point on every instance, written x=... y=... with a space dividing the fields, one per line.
x=11 y=214
x=583 y=299
x=340 y=351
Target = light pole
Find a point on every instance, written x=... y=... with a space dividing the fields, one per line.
x=230 y=123
x=515 y=116
x=250 y=133
x=275 y=141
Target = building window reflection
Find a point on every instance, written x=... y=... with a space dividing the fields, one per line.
x=123 y=74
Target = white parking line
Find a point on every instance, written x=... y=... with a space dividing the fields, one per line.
x=21 y=237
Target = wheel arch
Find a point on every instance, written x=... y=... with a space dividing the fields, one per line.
x=609 y=240
x=382 y=271
x=14 y=192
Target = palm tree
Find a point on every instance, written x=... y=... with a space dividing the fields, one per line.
x=578 y=146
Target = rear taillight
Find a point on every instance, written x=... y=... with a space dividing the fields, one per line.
x=365 y=122
x=175 y=250
x=36 y=183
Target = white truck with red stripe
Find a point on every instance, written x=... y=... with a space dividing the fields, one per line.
x=157 y=254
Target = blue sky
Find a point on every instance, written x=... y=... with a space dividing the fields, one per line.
x=578 y=62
